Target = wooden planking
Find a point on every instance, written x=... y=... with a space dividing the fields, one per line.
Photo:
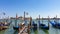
x=22 y=31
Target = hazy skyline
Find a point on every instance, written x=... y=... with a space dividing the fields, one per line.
x=33 y=7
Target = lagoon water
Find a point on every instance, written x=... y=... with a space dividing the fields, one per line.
x=52 y=30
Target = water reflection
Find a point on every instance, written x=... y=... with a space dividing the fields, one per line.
x=35 y=31
x=2 y=32
x=46 y=31
x=15 y=32
x=38 y=31
x=54 y=30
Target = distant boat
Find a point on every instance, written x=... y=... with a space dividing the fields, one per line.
x=55 y=25
x=43 y=26
x=34 y=25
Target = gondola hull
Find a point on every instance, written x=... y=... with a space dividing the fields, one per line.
x=44 y=27
x=34 y=27
x=15 y=28
x=56 y=26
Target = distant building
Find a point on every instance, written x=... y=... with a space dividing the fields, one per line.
x=47 y=18
x=21 y=18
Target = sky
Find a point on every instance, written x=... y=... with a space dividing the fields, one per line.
x=34 y=8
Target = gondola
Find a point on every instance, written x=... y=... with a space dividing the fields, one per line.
x=34 y=26
x=43 y=26
x=15 y=28
x=55 y=25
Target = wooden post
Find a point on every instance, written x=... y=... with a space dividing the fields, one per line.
x=16 y=20
x=30 y=20
x=39 y=17
x=24 y=15
x=42 y=19
x=56 y=19
x=48 y=21
x=29 y=25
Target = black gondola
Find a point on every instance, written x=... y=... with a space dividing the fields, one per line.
x=55 y=25
x=15 y=28
x=34 y=25
x=43 y=26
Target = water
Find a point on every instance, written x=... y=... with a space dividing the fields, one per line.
x=52 y=30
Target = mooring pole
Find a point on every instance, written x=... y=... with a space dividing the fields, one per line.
x=48 y=21
x=39 y=17
x=24 y=15
x=42 y=19
x=16 y=20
